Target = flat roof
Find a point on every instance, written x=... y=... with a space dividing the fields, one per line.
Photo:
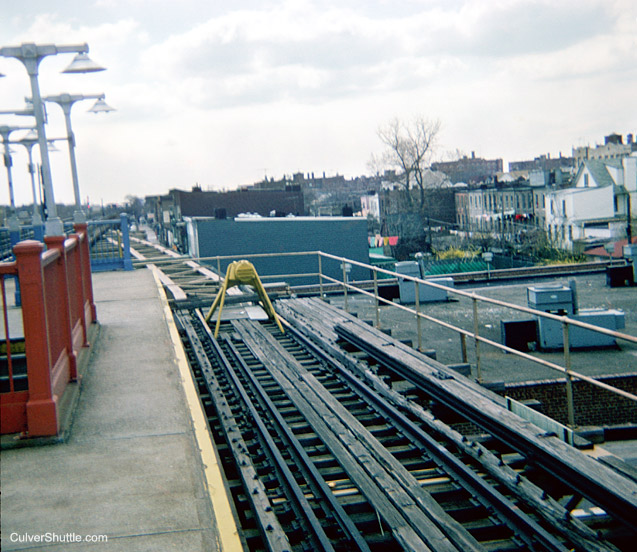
x=279 y=219
x=592 y=293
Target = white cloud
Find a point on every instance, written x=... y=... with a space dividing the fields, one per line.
x=217 y=92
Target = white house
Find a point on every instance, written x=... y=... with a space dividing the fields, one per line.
x=370 y=206
x=597 y=204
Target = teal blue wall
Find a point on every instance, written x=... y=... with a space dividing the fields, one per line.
x=341 y=236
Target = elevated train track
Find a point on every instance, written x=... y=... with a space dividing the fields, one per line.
x=333 y=436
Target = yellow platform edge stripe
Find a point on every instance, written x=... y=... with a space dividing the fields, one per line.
x=229 y=540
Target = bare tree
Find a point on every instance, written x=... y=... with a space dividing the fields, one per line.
x=453 y=155
x=408 y=148
x=135 y=206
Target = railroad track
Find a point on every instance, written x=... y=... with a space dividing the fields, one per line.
x=322 y=457
x=333 y=436
x=184 y=279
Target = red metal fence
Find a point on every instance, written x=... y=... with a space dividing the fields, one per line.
x=57 y=308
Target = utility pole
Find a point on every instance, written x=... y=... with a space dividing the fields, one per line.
x=629 y=231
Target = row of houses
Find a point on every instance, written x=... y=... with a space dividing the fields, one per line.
x=594 y=205
x=576 y=207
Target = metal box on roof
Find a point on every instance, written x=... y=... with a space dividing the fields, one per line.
x=555 y=298
x=551 y=336
x=426 y=294
x=407 y=288
x=432 y=294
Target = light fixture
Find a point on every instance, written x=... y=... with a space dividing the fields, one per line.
x=31 y=135
x=30 y=55
x=83 y=64
x=66 y=102
x=101 y=106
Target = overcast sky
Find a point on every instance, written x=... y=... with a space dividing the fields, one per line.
x=222 y=93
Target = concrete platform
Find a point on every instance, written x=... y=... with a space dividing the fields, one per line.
x=136 y=466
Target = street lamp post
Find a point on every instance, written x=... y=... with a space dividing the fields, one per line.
x=28 y=142
x=5 y=131
x=31 y=55
x=66 y=101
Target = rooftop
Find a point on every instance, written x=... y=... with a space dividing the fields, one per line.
x=592 y=293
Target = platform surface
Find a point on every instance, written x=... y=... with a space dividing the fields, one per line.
x=131 y=467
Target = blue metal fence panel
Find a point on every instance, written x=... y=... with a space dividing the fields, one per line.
x=109 y=244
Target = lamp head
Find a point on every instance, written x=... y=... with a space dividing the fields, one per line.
x=83 y=64
x=30 y=136
x=101 y=106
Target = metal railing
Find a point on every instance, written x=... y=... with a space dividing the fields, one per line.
x=110 y=244
x=370 y=289
x=565 y=321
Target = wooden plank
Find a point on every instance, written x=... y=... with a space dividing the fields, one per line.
x=333 y=316
x=177 y=293
x=209 y=274
x=616 y=494
x=271 y=530
x=553 y=512
x=380 y=500
x=422 y=509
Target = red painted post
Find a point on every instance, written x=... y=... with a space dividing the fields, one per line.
x=76 y=285
x=82 y=229
x=62 y=292
x=41 y=408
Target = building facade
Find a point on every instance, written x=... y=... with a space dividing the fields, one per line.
x=542 y=163
x=469 y=169
x=495 y=209
x=613 y=148
x=596 y=207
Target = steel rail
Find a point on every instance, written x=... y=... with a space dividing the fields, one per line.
x=400 y=513
x=551 y=511
x=271 y=530
x=283 y=429
x=475 y=296
x=342 y=432
x=614 y=498
x=318 y=534
x=528 y=529
x=481 y=339
x=345 y=522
